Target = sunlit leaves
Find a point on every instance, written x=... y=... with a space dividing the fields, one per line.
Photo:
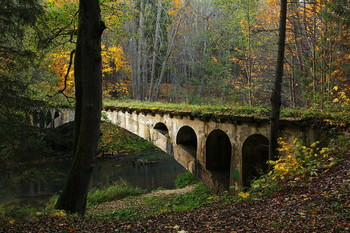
x=175 y=6
x=297 y=160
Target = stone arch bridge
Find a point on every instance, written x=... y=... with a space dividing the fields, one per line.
x=225 y=152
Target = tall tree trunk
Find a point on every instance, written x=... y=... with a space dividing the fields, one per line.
x=276 y=92
x=140 y=44
x=173 y=33
x=155 y=50
x=88 y=81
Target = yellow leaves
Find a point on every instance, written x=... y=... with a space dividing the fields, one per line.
x=172 y=227
x=244 y=195
x=340 y=97
x=38 y=213
x=235 y=60
x=305 y=197
x=12 y=221
x=121 y=88
x=175 y=7
x=113 y=59
x=59 y=213
x=296 y=159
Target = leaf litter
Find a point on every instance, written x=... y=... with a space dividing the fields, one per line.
x=321 y=205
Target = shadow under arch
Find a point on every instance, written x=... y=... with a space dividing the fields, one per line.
x=218 y=156
x=187 y=139
x=255 y=154
x=161 y=128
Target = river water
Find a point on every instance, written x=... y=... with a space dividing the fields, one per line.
x=49 y=179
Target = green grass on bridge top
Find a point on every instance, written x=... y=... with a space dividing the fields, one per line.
x=336 y=117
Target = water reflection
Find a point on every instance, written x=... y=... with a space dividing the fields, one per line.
x=50 y=179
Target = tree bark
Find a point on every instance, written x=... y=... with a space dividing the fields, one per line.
x=276 y=92
x=88 y=84
x=155 y=50
x=140 y=44
x=173 y=33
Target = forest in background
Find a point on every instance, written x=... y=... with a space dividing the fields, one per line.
x=198 y=51
x=195 y=52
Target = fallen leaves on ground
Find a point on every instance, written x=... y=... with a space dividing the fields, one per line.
x=321 y=205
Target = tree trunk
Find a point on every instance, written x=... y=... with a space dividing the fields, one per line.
x=88 y=81
x=173 y=33
x=155 y=50
x=276 y=92
x=140 y=44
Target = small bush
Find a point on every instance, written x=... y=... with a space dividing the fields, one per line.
x=117 y=191
x=297 y=160
x=185 y=179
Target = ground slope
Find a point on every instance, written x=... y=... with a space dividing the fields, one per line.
x=320 y=205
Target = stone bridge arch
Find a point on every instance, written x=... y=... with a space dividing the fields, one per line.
x=218 y=156
x=161 y=128
x=255 y=154
x=186 y=137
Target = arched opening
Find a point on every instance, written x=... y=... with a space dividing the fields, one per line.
x=161 y=128
x=186 y=137
x=218 y=156
x=255 y=154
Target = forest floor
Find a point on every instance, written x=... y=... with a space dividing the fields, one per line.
x=321 y=204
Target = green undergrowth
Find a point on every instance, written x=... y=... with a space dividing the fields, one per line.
x=142 y=206
x=185 y=179
x=134 y=204
x=194 y=109
x=334 y=115
x=116 y=140
x=117 y=191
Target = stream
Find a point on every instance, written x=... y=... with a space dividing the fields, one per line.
x=49 y=179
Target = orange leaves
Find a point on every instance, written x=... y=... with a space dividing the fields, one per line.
x=175 y=7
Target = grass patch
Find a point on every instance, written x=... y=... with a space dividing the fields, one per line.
x=116 y=191
x=125 y=213
x=17 y=212
x=191 y=200
x=146 y=206
x=185 y=179
x=178 y=202
x=327 y=115
x=117 y=140
x=192 y=108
